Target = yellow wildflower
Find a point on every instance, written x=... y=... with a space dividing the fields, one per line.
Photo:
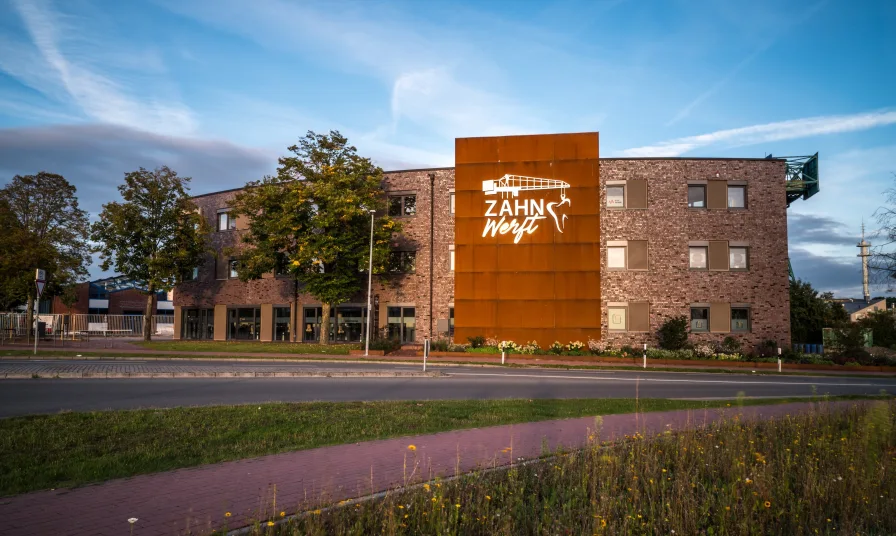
x=226 y=514
x=282 y=514
x=768 y=504
x=412 y=448
x=270 y=523
x=317 y=512
x=488 y=498
x=426 y=487
x=457 y=505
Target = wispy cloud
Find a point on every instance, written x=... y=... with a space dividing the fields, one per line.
x=47 y=66
x=781 y=130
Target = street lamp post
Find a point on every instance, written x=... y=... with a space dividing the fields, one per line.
x=369 y=286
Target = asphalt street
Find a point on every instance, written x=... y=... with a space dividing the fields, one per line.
x=35 y=396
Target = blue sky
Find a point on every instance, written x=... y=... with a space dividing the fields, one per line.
x=218 y=89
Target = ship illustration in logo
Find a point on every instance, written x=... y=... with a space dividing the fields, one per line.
x=532 y=210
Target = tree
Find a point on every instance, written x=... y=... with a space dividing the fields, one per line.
x=43 y=227
x=882 y=264
x=312 y=220
x=811 y=312
x=155 y=237
x=883 y=327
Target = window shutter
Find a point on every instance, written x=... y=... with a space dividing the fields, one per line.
x=718 y=255
x=719 y=317
x=637 y=255
x=636 y=190
x=242 y=221
x=221 y=266
x=716 y=194
x=638 y=316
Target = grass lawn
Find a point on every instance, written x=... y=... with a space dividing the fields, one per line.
x=237 y=347
x=69 y=449
x=819 y=473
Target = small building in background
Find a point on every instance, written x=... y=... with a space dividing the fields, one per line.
x=859 y=308
x=118 y=295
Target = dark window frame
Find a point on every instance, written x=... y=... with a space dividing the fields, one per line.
x=728 y=198
x=705 y=258
x=701 y=187
x=624 y=196
x=231 y=221
x=749 y=320
x=691 y=323
x=400 y=260
x=746 y=256
x=402 y=205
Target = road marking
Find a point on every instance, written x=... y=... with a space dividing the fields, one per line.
x=669 y=380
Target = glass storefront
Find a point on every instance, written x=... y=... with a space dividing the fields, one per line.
x=347 y=324
x=281 y=323
x=244 y=323
x=198 y=324
x=400 y=323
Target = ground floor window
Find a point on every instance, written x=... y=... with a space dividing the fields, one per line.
x=401 y=323
x=740 y=319
x=451 y=322
x=699 y=319
x=281 y=323
x=198 y=324
x=347 y=324
x=244 y=323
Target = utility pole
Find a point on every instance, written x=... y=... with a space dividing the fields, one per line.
x=864 y=253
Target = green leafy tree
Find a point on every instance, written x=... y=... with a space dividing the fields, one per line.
x=42 y=227
x=312 y=221
x=883 y=327
x=156 y=236
x=810 y=312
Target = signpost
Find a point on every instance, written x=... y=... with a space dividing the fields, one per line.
x=40 y=279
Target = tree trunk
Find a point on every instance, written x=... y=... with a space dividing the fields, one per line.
x=147 y=316
x=29 y=317
x=325 y=323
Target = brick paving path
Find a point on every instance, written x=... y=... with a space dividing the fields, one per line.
x=193 y=501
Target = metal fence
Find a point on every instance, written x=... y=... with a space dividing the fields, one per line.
x=15 y=325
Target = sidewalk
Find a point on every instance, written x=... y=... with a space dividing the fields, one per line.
x=124 y=350
x=194 y=501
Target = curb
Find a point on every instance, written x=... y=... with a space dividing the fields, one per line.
x=118 y=375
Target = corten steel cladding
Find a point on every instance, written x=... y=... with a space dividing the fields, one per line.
x=527 y=238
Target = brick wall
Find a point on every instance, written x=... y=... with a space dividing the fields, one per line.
x=667 y=224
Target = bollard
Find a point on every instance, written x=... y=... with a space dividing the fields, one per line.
x=779 y=360
x=503 y=353
x=425 y=352
x=645 y=355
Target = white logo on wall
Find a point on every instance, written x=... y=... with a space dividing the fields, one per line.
x=522 y=216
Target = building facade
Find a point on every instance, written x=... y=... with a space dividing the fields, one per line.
x=538 y=238
x=109 y=296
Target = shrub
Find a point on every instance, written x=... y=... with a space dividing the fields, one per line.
x=556 y=348
x=673 y=334
x=704 y=351
x=457 y=347
x=576 y=346
x=492 y=341
x=508 y=346
x=386 y=345
x=439 y=345
x=477 y=342
x=599 y=347
x=530 y=348
x=731 y=345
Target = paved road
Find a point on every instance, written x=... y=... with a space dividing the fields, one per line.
x=23 y=397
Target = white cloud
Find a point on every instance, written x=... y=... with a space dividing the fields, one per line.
x=781 y=130
x=48 y=67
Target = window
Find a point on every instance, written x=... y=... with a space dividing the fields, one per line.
x=616 y=318
x=616 y=257
x=740 y=319
x=243 y=323
x=226 y=222
x=451 y=201
x=451 y=257
x=232 y=269
x=402 y=262
x=195 y=274
x=696 y=196
x=281 y=323
x=281 y=265
x=737 y=197
x=699 y=319
x=401 y=206
x=737 y=258
x=697 y=257
x=451 y=322
x=616 y=196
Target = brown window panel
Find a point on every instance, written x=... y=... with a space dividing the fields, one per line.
x=717 y=194
x=637 y=255
x=242 y=222
x=636 y=191
x=719 y=317
x=718 y=255
x=638 y=316
x=222 y=267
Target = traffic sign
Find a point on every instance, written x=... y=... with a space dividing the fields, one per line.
x=40 y=287
x=41 y=275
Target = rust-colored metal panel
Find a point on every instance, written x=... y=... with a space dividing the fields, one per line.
x=267 y=322
x=636 y=193
x=177 y=322
x=220 y=324
x=718 y=255
x=527 y=237
x=717 y=194
x=638 y=316
x=719 y=317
